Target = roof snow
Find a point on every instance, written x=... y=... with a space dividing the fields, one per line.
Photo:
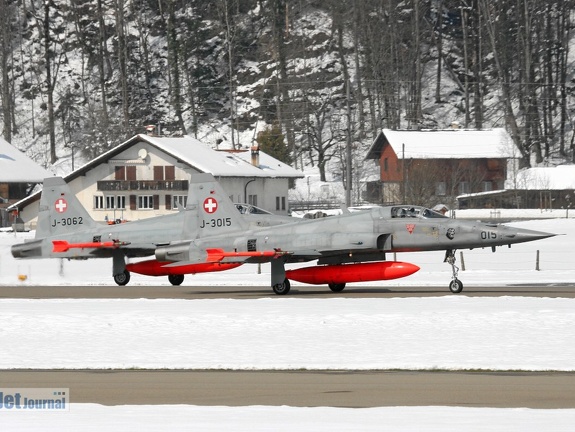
x=221 y=163
x=446 y=144
x=16 y=167
x=203 y=158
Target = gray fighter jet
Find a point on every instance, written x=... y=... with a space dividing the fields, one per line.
x=210 y=234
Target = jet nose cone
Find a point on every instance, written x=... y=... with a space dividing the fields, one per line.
x=519 y=235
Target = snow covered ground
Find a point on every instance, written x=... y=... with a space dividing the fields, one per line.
x=453 y=332
x=450 y=332
x=153 y=418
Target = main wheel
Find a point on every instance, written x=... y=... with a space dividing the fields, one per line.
x=455 y=286
x=336 y=287
x=122 y=278
x=176 y=279
x=282 y=288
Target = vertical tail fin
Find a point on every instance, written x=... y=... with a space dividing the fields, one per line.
x=60 y=211
x=209 y=210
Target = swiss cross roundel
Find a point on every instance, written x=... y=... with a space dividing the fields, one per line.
x=61 y=205
x=210 y=205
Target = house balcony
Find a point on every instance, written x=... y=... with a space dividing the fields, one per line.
x=142 y=185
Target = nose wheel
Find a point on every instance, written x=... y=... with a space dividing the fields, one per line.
x=455 y=286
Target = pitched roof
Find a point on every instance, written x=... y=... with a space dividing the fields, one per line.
x=221 y=163
x=445 y=144
x=201 y=157
x=16 y=167
x=197 y=155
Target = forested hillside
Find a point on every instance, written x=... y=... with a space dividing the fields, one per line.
x=310 y=76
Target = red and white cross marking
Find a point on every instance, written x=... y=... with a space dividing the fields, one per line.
x=210 y=205
x=61 y=205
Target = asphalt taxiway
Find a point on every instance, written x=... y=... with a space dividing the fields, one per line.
x=355 y=389
x=188 y=292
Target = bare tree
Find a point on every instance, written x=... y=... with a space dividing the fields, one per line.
x=323 y=137
x=5 y=53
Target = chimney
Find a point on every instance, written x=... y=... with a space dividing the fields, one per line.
x=256 y=156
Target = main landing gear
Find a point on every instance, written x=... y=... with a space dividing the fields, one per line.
x=176 y=279
x=282 y=288
x=455 y=286
x=336 y=287
x=122 y=278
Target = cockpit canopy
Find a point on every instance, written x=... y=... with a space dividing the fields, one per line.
x=414 y=212
x=250 y=209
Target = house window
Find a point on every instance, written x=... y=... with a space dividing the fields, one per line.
x=463 y=187
x=283 y=203
x=113 y=202
x=385 y=165
x=277 y=203
x=440 y=189
x=98 y=202
x=110 y=202
x=145 y=202
x=253 y=200
x=487 y=186
x=179 y=200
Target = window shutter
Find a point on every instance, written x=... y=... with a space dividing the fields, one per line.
x=133 y=202
x=158 y=173
x=120 y=173
x=156 y=202
x=168 y=202
x=131 y=173
x=170 y=172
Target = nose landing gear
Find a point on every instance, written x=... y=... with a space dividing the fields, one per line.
x=455 y=286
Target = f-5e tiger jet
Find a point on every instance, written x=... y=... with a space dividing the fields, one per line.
x=210 y=234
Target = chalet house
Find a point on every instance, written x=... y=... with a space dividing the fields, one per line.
x=148 y=176
x=19 y=175
x=435 y=166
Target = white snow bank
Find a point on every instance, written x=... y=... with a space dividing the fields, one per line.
x=455 y=332
x=152 y=418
